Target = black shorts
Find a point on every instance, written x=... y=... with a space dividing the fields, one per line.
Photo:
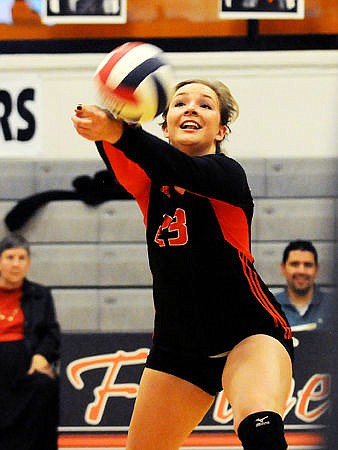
x=202 y=371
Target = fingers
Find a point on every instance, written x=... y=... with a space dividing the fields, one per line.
x=40 y=364
x=87 y=115
x=84 y=123
x=45 y=370
x=83 y=119
x=82 y=110
x=95 y=123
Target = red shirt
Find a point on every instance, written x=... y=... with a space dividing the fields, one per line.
x=11 y=315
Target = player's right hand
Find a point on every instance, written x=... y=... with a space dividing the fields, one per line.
x=96 y=124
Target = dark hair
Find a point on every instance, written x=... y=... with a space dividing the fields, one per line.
x=304 y=246
x=14 y=241
x=228 y=106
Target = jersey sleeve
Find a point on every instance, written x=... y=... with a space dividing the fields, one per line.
x=128 y=173
x=212 y=176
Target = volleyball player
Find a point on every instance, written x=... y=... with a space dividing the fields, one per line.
x=217 y=326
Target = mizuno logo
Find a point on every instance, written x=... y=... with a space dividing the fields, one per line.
x=262 y=421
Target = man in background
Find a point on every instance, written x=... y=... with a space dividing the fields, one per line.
x=303 y=302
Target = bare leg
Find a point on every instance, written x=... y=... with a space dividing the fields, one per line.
x=257 y=377
x=166 y=411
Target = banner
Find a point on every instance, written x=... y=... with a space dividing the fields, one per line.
x=100 y=375
x=261 y=9
x=84 y=11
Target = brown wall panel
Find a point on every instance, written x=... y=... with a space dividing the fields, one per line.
x=160 y=19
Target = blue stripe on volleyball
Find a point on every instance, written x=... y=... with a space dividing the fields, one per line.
x=137 y=75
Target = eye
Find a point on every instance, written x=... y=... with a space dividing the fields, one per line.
x=294 y=264
x=206 y=106
x=178 y=104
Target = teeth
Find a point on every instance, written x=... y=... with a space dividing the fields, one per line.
x=192 y=125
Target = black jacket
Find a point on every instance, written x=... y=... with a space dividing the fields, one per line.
x=41 y=328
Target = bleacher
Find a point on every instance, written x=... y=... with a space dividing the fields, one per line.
x=94 y=257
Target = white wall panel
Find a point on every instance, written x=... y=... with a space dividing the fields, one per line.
x=288 y=100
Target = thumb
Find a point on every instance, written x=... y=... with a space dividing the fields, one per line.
x=86 y=111
x=81 y=110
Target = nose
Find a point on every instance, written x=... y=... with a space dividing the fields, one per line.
x=301 y=268
x=190 y=109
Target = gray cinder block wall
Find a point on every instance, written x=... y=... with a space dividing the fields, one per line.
x=94 y=258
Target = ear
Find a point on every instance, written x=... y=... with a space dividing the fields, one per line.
x=282 y=268
x=317 y=269
x=222 y=132
x=165 y=131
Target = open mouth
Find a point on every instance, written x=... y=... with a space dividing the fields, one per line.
x=190 y=125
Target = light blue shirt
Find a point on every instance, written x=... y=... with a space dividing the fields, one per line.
x=318 y=311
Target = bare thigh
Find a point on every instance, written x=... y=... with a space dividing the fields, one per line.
x=257 y=377
x=166 y=411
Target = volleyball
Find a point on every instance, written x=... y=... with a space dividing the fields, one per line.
x=135 y=82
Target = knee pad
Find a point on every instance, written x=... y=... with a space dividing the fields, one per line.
x=262 y=431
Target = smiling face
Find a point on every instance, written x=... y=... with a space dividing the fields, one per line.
x=300 y=271
x=193 y=123
x=14 y=264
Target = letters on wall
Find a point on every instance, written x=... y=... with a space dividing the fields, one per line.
x=19 y=110
x=100 y=375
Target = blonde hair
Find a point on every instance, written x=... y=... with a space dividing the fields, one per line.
x=228 y=106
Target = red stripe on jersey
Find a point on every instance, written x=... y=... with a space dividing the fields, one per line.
x=234 y=225
x=130 y=176
x=260 y=295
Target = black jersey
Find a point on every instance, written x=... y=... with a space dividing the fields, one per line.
x=197 y=211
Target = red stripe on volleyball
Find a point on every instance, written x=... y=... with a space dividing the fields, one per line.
x=116 y=55
x=122 y=94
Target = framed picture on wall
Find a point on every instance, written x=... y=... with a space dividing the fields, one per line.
x=261 y=9
x=84 y=11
